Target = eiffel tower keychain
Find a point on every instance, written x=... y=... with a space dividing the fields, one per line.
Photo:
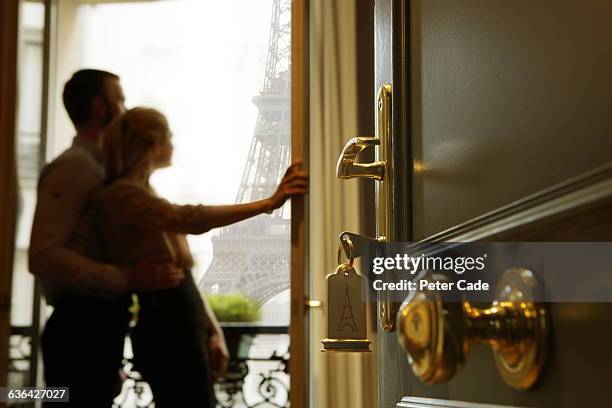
x=346 y=307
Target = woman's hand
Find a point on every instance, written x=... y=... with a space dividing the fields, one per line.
x=294 y=183
x=154 y=274
x=219 y=355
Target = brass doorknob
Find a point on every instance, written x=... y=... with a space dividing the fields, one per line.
x=438 y=334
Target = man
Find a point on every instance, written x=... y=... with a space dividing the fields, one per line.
x=82 y=342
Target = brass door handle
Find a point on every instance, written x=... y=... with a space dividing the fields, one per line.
x=347 y=167
x=437 y=335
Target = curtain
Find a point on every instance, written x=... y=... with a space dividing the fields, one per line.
x=337 y=379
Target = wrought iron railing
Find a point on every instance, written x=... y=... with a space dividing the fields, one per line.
x=252 y=381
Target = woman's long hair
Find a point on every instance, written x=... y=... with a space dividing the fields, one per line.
x=129 y=140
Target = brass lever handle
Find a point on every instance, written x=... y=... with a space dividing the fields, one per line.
x=347 y=167
x=437 y=335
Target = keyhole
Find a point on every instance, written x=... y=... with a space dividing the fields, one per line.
x=416 y=322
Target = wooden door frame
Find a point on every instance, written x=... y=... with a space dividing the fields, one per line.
x=298 y=330
x=9 y=24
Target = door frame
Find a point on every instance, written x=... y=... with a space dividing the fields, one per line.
x=298 y=329
x=9 y=25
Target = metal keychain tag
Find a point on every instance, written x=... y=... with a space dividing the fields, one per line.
x=346 y=310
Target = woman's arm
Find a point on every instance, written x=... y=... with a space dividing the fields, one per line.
x=294 y=183
x=222 y=215
x=135 y=205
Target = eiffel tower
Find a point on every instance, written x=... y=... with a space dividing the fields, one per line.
x=253 y=256
x=347 y=319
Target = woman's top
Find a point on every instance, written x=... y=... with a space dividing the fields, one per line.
x=136 y=224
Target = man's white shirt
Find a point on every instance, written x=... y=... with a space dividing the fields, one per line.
x=64 y=187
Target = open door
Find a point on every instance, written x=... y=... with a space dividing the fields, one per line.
x=497 y=133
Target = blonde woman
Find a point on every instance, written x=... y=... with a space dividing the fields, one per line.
x=177 y=341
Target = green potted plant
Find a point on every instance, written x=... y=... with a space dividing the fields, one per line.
x=233 y=307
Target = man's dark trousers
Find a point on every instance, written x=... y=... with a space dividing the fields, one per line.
x=82 y=346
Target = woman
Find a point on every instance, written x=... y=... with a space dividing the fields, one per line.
x=175 y=328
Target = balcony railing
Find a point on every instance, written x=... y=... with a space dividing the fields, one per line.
x=257 y=375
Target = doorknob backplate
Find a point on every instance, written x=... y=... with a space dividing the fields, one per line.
x=385 y=201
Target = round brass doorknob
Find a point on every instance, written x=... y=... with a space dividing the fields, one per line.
x=438 y=334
